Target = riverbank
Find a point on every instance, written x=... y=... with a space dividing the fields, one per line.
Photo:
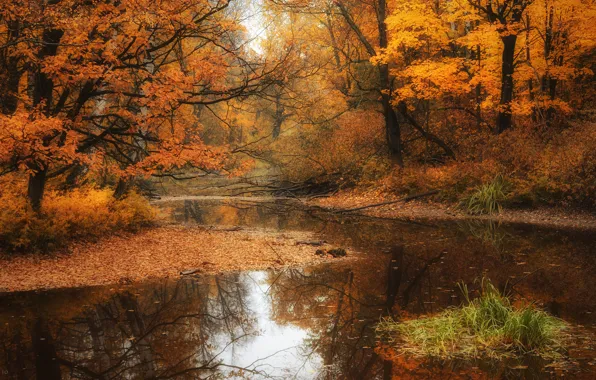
x=160 y=252
x=426 y=209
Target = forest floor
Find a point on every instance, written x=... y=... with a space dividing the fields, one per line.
x=430 y=210
x=161 y=252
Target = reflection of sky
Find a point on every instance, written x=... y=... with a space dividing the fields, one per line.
x=275 y=349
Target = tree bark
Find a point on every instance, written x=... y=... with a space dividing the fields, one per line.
x=122 y=188
x=392 y=127
x=43 y=89
x=392 y=130
x=278 y=117
x=36 y=187
x=403 y=109
x=9 y=98
x=507 y=69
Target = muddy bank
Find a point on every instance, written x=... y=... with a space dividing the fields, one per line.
x=429 y=210
x=162 y=252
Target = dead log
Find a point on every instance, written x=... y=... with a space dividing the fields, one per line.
x=314 y=243
x=190 y=271
x=405 y=199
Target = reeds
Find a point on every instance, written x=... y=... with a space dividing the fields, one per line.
x=487 y=198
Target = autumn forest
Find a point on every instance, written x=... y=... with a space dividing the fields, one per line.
x=199 y=140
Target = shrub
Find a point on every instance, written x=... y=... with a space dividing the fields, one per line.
x=550 y=167
x=486 y=326
x=453 y=178
x=347 y=149
x=81 y=213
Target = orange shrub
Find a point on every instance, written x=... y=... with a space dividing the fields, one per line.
x=452 y=179
x=81 y=213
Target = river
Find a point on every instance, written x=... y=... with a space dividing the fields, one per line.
x=304 y=323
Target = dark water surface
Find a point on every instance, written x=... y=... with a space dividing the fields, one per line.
x=309 y=323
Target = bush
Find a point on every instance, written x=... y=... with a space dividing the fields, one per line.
x=348 y=149
x=83 y=213
x=550 y=167
x=555 y=167
x=486 y=326
x=453 y=178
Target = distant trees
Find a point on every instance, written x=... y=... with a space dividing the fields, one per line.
x=437 y=68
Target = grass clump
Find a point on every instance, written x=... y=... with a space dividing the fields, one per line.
x=487 y=198
x=486 y=326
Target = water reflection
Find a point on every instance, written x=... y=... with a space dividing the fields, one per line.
x=310 y=323
x=552 y=267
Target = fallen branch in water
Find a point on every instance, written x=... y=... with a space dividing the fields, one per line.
x=406 y=199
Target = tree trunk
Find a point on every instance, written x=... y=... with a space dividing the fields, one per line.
x=393 y=133
x=76 y=173
x=43 y=89
x=392 y=127
x=549 y=84
x=279 y=117
x=36 y=187
x=122 y=188
x=507 y=69
x=9 y=99
x=403 y=110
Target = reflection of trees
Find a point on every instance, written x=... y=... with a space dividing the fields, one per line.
x=339 y=315
x=341 y=303
x=167 y=331
x=341 y=307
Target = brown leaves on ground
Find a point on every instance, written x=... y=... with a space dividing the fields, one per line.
x=158 y=252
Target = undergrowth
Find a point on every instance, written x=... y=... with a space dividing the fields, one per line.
x=488 y=326
x=82 y=213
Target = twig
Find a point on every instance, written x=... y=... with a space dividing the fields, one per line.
x=280 y=259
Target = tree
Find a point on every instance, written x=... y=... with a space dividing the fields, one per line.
x=101 y=84
x=508 y=15
x=392 y=126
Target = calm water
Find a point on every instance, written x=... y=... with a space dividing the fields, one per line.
x=309 y=323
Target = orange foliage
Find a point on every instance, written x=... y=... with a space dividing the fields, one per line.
x=115 y=85
x=349 y=147
x=81 y=213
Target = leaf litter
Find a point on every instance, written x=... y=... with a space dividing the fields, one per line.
x=159 y=252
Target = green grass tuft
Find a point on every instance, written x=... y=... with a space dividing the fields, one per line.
x=487 y=198
x=486 y=326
